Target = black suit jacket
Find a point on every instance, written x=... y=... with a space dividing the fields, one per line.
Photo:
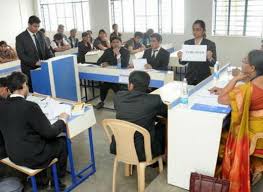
x=28 y=133
x=82 y=50
x=142 y=109
x=27 y=52
x=73 y=44
x=198 y=71
x=108 y=56
x=161 y=60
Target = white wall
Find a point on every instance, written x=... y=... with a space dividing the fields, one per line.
x=230 y=49
x=14 y=15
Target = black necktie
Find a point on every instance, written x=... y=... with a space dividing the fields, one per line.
x=38 y=47
x=153 y=55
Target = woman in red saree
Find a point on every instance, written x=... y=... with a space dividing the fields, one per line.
x=244 y=149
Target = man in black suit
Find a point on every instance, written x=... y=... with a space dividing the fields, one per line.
x=30 y=140
x=31 y=48
x=141 y=108
x=114 y=56
x=157 y=57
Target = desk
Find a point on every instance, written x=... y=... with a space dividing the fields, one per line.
x=9 y=67
x=93 y=56
x=72 y=51
x=76 y=125
x=113 y=75
x=194 y=136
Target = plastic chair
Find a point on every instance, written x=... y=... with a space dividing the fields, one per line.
x=123 y=132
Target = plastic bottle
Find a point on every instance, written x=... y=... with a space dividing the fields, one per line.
x=184 y=93
x=216 y=71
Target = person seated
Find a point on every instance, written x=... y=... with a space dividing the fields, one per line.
x=134 y=45
x=59 y=44
x=90 y=33
x=73 y=41
x=4 y=91
x=246 y=101
x=48 y=42
x=102 y=42
x=30 y=140
x=114 y=56
x=7 y=53
x=139 y=107
x=147 y=38
x=61 y=30
x=157 y=57
x=261 y=44
x=84 y=46
x=115 y=32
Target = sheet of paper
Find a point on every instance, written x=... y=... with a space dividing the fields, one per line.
x=139 y=63
x=194 y=52
x=51 y=107
x=88 y=65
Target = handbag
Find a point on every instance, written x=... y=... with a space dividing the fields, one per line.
x=203 y=183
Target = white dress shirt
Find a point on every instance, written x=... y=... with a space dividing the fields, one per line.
x=16 y=95
x=155 y=51
x=32 y=36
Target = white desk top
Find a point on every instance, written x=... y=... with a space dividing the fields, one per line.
x=9 y=67
x=76 y=124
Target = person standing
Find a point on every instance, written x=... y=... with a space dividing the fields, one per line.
x=115 y=32
x=31 y=48
x=198 y=71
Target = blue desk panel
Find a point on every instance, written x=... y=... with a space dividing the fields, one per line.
x=41 y=80
x=113 y=79
x=65 y=79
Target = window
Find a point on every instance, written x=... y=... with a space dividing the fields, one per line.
x=238 y=17
x=163 y=16
x=70 y=13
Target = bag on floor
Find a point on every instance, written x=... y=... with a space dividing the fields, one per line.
x=11 y=184
x=203 y=183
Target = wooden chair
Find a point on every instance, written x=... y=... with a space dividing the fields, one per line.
x=124 y=135
x=33 y=172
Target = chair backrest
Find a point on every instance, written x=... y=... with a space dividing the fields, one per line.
x=123 y=132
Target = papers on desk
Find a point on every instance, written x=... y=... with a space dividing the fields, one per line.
x=89 y=65
x=139 y=63
x=194 y=53
x=93 y=52
x=210 y=108
x=51 y=107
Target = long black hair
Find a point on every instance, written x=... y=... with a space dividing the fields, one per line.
x=202 y=25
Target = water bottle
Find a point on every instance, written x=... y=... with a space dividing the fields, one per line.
x=184 y=93
x=216 y=71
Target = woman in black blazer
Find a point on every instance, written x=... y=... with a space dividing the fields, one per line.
x=84 y=46
x=198 y=71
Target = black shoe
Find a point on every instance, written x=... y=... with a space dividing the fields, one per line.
x=99 y=105
x=61 y=185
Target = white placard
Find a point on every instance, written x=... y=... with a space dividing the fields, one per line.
x=194 y=53
x=139 y=63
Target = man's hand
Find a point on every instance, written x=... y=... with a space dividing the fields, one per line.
x=116 y=51
x=147 y=66
x=38 y=64
x=130 y=66
x=105 y=64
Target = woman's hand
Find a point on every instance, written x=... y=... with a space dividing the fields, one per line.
x=216 y=90
x=241 y=77
x=209 y=55
x=180 y=55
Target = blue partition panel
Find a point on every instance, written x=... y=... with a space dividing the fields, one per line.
x=41 y=80
x=65 y=79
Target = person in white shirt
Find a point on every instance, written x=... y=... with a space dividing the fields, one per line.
x=59 y=44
